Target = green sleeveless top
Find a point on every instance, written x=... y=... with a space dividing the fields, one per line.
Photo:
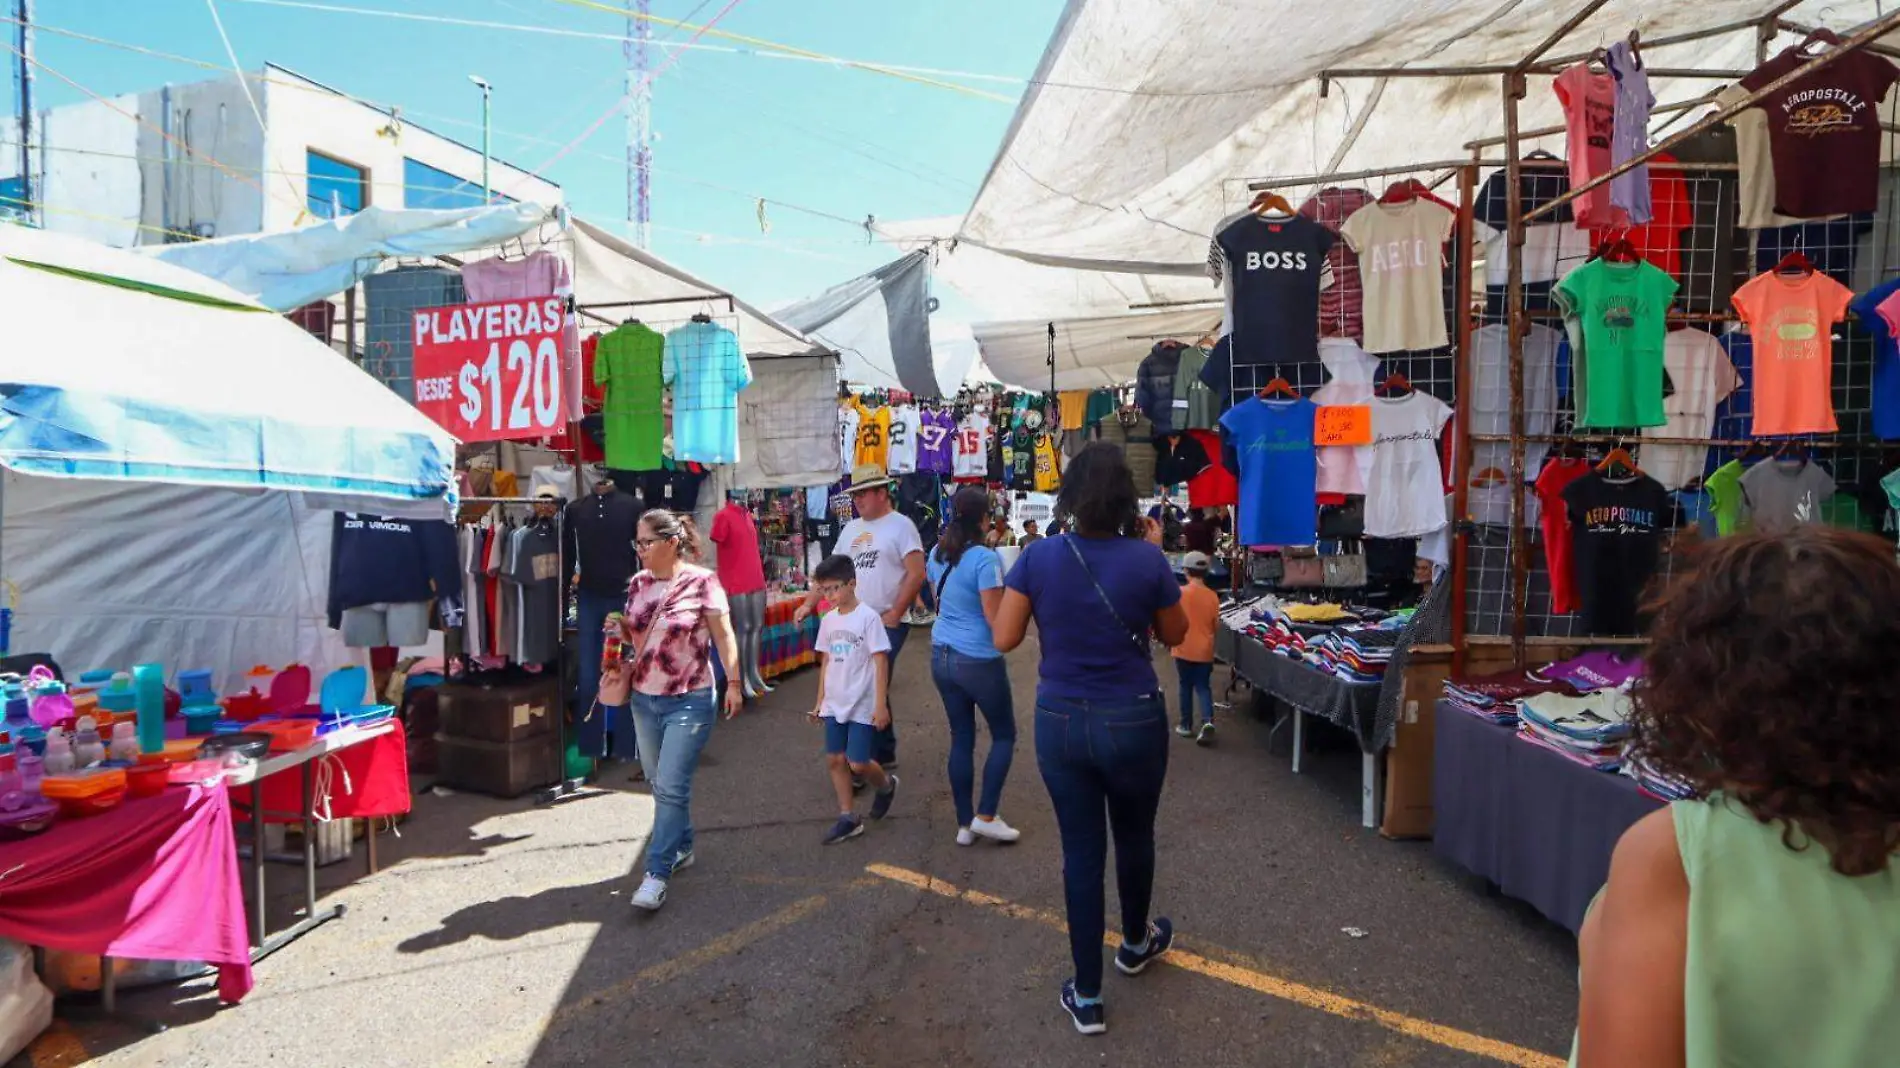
x=1789 y=963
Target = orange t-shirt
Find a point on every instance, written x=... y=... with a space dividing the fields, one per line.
x=1790 y=321
x=1202 y=606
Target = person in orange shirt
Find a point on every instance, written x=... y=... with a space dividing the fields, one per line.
x=1194 y=657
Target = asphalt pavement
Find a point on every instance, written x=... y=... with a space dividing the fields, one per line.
x=499 y=932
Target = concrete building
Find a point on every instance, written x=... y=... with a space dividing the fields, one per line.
x=190 y=161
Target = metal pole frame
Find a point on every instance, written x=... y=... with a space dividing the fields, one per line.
x=23 y=37
x=1513 y=92
x=1464 y=260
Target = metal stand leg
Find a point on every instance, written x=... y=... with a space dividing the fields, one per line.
x=259 y=922
x=108 y=987
x=312 y=919
x=1299 y=738
x=1371 y=789
x=370 y=826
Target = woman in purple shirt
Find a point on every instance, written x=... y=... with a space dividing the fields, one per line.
x=1101 y=726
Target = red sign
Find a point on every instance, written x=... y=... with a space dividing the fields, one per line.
x=491 y=372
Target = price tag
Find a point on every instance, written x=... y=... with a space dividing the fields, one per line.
x=491 y=372
x=1343 y=424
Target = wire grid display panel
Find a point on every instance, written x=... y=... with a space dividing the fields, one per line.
x=1708 y=364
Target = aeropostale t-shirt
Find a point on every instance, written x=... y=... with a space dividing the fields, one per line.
x=1274 y=440
x=1402 y=264
x=1276 y=268
x=1792 y=323
x=1824 y=131
x=1616 y=530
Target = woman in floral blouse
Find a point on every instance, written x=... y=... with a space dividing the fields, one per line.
x=676 y=610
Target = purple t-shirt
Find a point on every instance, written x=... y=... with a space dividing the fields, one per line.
x=1087 y=652
x=936 y=439
x=1629 y=132
x=1600 y=670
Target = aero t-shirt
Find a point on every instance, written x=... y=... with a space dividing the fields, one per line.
x=1703 y=377
x=1791 y=321
x=973 y=448
x=1589 y=103
x=905 y=425
x=1276 y=268
x=1619 y=308
x=1401 y=265
x=1405 y=494
x=1616 y=528
x=1274 y=440
x=1824 y=131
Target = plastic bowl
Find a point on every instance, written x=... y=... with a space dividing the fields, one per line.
x=147 y=780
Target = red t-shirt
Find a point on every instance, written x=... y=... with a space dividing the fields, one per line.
x=740 y=569
x=1824 y=133
x=1660 y=240
x=1550 y=484
x=1215 y=487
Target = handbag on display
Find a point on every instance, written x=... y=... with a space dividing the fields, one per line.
x=1266 y=569
x=1345 y=569
x=1304 y=570
x=1337 y=521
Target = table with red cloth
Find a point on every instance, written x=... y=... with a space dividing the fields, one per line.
x=785 y=645
x=153 y=879
x=365 y=780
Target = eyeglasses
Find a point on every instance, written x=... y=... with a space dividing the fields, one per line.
x=644 y=544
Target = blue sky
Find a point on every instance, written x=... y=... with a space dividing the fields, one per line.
x=833 y=139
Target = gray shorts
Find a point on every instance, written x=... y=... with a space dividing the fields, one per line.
x=372 y=625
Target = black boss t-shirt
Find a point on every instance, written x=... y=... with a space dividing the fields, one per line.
x=1276 y=267
x=1616 y=532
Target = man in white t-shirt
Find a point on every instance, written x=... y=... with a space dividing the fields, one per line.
x=889 y=555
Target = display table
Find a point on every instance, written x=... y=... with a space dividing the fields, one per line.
x=1307 y=691
x=154 y=879
x=786 y=645
x=1538 y=826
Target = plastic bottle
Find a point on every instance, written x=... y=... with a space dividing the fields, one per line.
x=125 y=742
x=88 y=749
x=32 y=770
x=148 y=681
x=59 y=754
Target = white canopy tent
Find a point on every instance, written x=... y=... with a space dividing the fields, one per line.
x=173 y=454
x=1142 y=127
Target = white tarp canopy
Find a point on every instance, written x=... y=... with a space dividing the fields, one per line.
x=173 y=454
x=1143 y=126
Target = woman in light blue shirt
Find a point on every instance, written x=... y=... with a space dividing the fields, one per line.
x=967 y=578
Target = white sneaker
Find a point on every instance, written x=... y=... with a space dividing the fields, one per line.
x=995 y=830
x=651 y=895
x=964 y=837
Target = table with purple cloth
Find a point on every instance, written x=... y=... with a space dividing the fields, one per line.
x=1539 y=827
x=153 y=879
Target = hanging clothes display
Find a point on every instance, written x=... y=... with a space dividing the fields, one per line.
x=1589 y=104
x=1659 y=240
x=1780 y=495
x=1276 y=267
x=628 y=363
x=1488 y=486
x=1405 y=489
x=1824 y=131
x=1341 y=304
x=1554 y=524
x=973 y=443
x=1344 y=468
x=1616 y=529
x=906 y=425
x=1619 y=310
x=1154 y=384
x=1629 y=136
x=1878 y=311
x=1278 y=469
x=1791 y=321
x=874 y=436
x=1703 y=377
x=1401 y=267
x=1195 y=405
x=539 y=274
x=937 y=442
x=1211 y=485
x=706 y=371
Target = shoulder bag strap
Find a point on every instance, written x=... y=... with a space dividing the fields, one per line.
x=1138 y=634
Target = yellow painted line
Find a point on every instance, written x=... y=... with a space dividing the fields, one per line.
x=522 y=1039
x=1250 y=979
x=57 y=1047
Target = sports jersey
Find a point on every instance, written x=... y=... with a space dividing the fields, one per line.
x=937 y=443
x=973 y=447
x=874 y=437
x=905 y=425
x=1048 y=468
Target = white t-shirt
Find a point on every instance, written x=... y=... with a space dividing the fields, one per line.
x=973 y=447
x=848 y=420
x=1551 y=250
x=1405 y=496
x=1343 y=468
x=878 y=547
x=851 y=641
x=1402 y=266
x=906 y=424
x=1702 y=375
x=1488 y=494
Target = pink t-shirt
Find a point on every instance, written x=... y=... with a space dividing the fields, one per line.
x=1589 y=102
x=1791 y=321
x=667 y=633
x=740 y=569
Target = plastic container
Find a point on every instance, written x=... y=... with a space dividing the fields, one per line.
x=287 y=734
x=199 y=719
x=59 y=754
x=259 y=678
x=176 y=751
x=34 y=739
x=85 y=793
x=247 y=706
x=149 y=682
x=147 y=780
x=23 y=814
x=118 y=695
x=193 y=771
x=194 y=688
x=125 y=742
x=96 y=679
x=290 y=691
x=9 y=772
x=32 y=769
x=88 y=748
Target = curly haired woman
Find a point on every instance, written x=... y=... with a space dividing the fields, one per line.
x=1760 y=926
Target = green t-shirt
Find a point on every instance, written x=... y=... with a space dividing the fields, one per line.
x=633 y=413
x=1101 y=405
x=1621 y=308
x=1725 y=495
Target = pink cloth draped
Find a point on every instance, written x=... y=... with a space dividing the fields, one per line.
x=154 y=879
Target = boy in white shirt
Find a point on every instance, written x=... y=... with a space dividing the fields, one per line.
x=853 y=686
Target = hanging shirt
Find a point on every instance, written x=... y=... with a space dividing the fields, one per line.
x=1660 y=240
x=1343 y=468
x=1401 y=266
x=540 y=274
x=706 y=370
x=1213 y=486
x=1048 y=467
x=1725 y=497
x=973 y=448
x=1824 y=131
x=937 y=443
x=1791 y=321
x=1488 y=490
x=1274 y=440
x=874 y=437
x=1703 y=378
x=1629 y=136
x=1878 y=310
x=740 y=568
x=628 y=363
x=1780 y=495
x=1556 y=477
x=1195 y=405
x=905 y=425
x=848 y=420
x=1342 y=304
x=1405 y=491
x=1616 y=529
x=1276 y=268
x=1754 y=164
x=1620 y=309
x=1589 y=103
x=1072 y=404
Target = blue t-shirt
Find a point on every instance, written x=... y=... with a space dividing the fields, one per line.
x=961 y=624
x=1278 y=470
x=1866 y=308
x=1087 y=652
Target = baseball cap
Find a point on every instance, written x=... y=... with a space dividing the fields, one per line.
x=1196 y=561
x=547 y=493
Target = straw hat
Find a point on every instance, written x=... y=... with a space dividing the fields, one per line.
x=868 y=477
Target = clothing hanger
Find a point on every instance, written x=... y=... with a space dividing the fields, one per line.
x=705 y=314
x=1396 y=385
x=1618 y=457
x=1278 y=387
x=1616 y=249
x=1822 y=35
x=1400 y=192
x=1796 y=261
x=1270 y=202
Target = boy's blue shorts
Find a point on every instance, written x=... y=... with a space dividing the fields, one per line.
x=854 y=740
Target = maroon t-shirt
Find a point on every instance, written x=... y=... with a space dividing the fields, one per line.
x=1824 y=132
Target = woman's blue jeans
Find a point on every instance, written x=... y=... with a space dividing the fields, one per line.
x=968 y=684
x=672 y=731
x=1104 y=762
